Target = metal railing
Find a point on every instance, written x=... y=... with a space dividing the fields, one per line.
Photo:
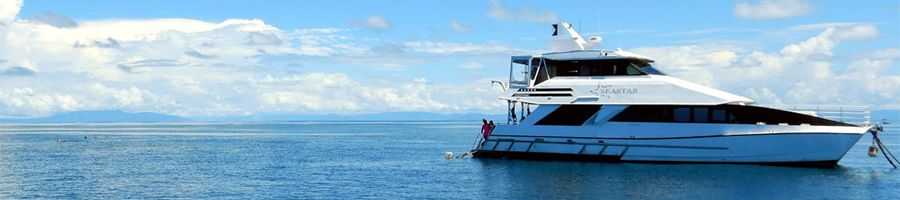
x=857 y=115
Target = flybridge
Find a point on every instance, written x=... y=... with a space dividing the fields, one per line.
x=572 y=56
x=529 y=71
x=598 y=76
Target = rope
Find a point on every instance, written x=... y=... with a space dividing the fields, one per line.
x=884 y=150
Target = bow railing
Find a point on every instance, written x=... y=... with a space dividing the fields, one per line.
x=856 y=115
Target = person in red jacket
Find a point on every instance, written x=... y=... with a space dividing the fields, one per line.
x=486 y=128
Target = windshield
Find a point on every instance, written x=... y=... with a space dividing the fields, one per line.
x=650 y=70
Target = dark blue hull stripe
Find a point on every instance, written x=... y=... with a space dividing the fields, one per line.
x=614 y=158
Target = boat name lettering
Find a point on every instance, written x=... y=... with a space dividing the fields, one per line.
x=617 y=91
x=607 y=90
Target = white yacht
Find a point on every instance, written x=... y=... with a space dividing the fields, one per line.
x=577 y=103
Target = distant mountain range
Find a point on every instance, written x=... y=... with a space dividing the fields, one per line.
x=121 y=116
x=388 y=116
x=101 y=116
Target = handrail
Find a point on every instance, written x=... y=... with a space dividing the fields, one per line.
x=851 y=114
x=512 y=141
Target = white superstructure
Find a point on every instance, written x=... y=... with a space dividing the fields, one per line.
x=598 y=105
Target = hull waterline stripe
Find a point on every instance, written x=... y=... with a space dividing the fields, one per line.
x=603 y=158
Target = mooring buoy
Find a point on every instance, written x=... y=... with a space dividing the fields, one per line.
x=873 y=151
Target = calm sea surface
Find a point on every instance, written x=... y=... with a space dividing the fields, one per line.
x=341 y=160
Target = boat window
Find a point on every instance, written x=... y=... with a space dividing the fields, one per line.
x=613 y=67
x=651 y=70
x=518 y=71
x=682 y=114
x=735 y=114
x=569 y=115
x=701 y=115
x=541 y=75
x=718 y=115
x=646 y=114
x=539 y=69
x=632 y=70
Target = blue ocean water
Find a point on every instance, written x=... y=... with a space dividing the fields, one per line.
x=378 y=160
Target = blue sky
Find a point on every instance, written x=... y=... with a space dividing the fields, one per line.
x=220 y=58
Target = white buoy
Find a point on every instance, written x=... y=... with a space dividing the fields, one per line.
x=448 y=155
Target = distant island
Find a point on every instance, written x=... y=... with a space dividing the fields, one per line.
x=386 y=116
x=123 y=116
x=100 y=116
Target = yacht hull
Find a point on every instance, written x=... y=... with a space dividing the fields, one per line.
x=819 y=149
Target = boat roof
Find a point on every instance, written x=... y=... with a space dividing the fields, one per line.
x=591 y=54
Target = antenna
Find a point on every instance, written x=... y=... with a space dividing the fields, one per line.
x=572 y=43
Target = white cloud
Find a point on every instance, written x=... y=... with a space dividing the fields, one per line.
x=763 y=95
x=456 y=26
x=199 y=68
x=459 y=48
x=338 y=93
x=9 y=9
x=800 y=73
x=471 y=65
x=527 y=14
x=16 y=71
x=854 y=33
x=376 y=22
x=24 y=101
x=323 y=41
x=843 y=31
x=55 y=20
x=881 y=54
x=772 y=9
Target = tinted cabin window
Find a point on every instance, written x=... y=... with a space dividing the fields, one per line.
x=682 y=115
x=570 y=115
x=541 y=76
x=701 y=114
x=718 y=114
x=539 y=69
x=615 y=67
x=650 y=70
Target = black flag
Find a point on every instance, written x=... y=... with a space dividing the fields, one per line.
x=555 y=29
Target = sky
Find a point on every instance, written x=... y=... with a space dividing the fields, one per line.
x=208 y=58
